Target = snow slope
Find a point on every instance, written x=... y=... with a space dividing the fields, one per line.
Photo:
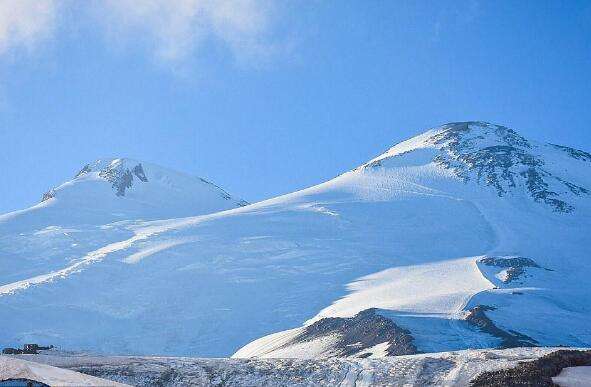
x=12 y=368
x=436 y=369
x=123 y=189
x=57 y=236
x=467 y=236
x=574 y=377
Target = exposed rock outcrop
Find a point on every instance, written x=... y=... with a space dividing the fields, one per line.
x=121 y=177
x=48 y=195
x=535 y=373
x=499 y=157
x=509 y=339
x=356 y=334
x=514 y=266
x=86 y=169
x=574 y=153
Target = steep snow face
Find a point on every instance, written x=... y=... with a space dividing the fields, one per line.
x=443 y=235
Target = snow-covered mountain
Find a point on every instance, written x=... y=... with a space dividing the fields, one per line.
x=96 y=207
x=466 y=236
x=126 y=189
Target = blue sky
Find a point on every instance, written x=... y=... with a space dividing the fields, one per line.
x=266 y=97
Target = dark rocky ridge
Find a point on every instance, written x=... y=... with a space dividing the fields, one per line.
x=452 y=368
x=535 y=373
x=515 y=265
x=499 y=157
x=224 y=194
x=48 y=195
x=509 y=339
x=574 y=153
x=124 y=173
x=85 y=169
x=122 y=178
x=502 y=165
x=364 y=330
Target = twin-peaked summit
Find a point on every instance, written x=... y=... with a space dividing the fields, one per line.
x=466 y=236
x=491 y=155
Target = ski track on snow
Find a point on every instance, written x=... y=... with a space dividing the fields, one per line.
x=90 y=258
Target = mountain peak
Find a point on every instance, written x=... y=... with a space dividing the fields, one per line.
x=478 y=133
x=128 y=186
x=418 y=237
x=498 y=157
x=122 y=173
x=458 y=134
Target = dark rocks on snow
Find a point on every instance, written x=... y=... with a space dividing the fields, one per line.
x=124 y=182
x=86 y=169
x=535 y=373
x=509 y=339
x=502 y=165
x=509 y=262
x=122 y=178
x=538 y=188
x=515 y=265
x=454 y=131
x=574 y=153
x=575 y=189
x=499 y=157
x=364 y=330
x=138 y=170
x=48 y=195
x=28 y=349
x=224 y=194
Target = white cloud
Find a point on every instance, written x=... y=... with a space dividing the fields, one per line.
x=25 y=23
x=176 y=28
x=173 y=30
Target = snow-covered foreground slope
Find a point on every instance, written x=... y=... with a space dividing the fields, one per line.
x=435 y=369
x=20 y=371
x=468 y=236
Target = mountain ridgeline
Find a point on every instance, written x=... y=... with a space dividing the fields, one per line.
x=466 y=236
x=499 y=157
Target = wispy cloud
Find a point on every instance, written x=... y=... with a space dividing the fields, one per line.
x=26 y=23
x=172 y=30
x=175 y=29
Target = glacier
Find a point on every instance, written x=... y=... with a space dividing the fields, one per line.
x=466 y=236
